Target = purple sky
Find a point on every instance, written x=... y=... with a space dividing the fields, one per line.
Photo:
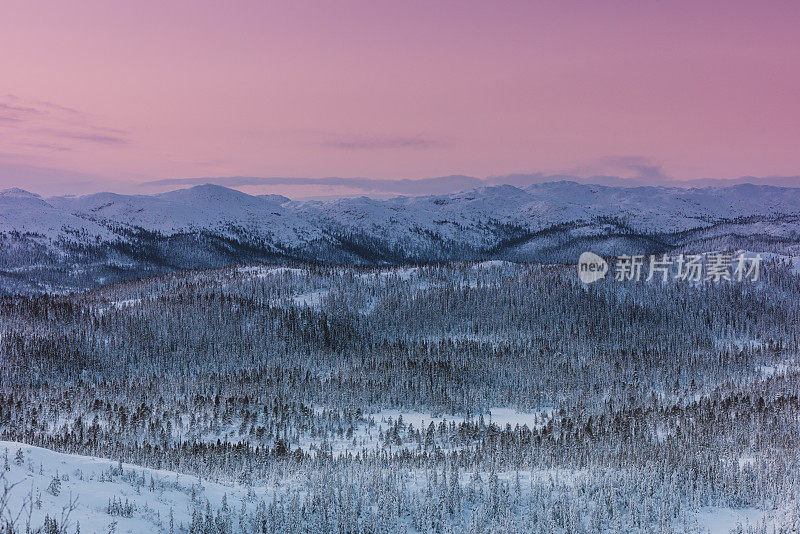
x=99 y=95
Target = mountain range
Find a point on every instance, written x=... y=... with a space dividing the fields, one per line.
x=74 y=242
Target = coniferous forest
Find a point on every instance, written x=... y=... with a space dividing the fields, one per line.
x=467 y=397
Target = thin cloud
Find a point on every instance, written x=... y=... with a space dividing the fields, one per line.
x=60 y=108
x=652 y=173
x=639 y=169
x=54 y=128
x=18 y=109
x=50 y=147
x=385 y=143
x=103 y=139
x=10 y=113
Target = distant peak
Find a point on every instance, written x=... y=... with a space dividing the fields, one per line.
x=211 y=189
x=206 y=192
x=16 y=192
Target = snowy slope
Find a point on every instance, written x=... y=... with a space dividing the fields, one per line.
x=90 y=484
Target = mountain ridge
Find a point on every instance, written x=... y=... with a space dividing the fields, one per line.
x=74 y=242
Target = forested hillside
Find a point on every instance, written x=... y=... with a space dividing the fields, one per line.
x=466 y=397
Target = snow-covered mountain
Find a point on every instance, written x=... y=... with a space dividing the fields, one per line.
x=26 y=213
x=204 y=208
x=476 y=218
x=70 y=242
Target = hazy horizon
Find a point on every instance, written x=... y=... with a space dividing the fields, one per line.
x=309 y=188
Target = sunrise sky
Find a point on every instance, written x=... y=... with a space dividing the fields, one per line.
x=107 y=95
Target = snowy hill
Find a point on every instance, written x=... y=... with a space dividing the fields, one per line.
x=103 y=496
x=203 y=208
x=82 y=241
x=27 y=213
x=97 y=495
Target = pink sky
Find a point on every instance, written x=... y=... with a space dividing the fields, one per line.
x=98 y=95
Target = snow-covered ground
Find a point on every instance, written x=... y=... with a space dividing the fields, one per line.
x=104 y=496
x=725 y=520
x=139 y=499
x=312 y=299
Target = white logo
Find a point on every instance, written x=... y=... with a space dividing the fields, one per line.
x=591 y=267
x=716 y=266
